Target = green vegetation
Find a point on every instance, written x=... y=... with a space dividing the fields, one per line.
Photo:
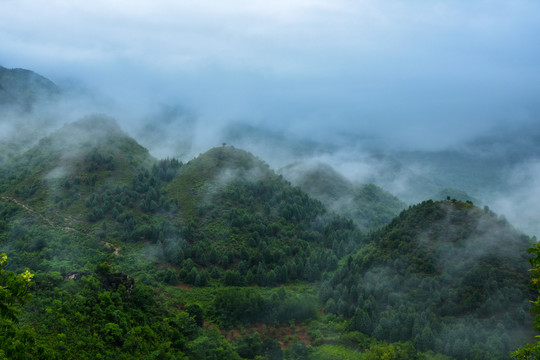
x=221 y=258
x=245 y=225
x=532 y=351
x=445 y=275
x=13 y=294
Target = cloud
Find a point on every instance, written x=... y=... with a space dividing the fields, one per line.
x=406 y=71
x=519 y=201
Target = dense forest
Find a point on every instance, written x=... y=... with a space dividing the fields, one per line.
x=108 y=252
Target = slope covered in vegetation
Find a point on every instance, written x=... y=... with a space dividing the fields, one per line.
x=246 y=224
x=445 y=275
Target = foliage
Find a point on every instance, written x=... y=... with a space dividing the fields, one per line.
x=242 y=220
x=14 y=343
x=235 y=306
x=368 y=205
x=532 y=351
x=433 y=276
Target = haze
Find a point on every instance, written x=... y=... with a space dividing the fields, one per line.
x=417 y=73
x=349 y=79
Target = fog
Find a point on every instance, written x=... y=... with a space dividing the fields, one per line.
x=353 y=84
x=426 y=73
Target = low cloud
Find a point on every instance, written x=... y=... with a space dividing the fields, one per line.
x=426 y=74
x=519 y=202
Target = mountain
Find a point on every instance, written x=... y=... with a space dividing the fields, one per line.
x=446 y=275
x=368 y=205
x=97 y=218
x=224 y=211
x=21 y=89
x=242 y=218
x=64 y=167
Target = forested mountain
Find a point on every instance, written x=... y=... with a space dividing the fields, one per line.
x=242 y=218
x=446 y=275
x=220 y=257
x=20 y=89
x=367 y=205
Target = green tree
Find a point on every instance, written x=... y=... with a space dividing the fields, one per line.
x=532 y=351
x=362 y=322
x=197 y=313
x=13 y=295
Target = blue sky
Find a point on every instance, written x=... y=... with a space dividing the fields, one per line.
x=417 y=72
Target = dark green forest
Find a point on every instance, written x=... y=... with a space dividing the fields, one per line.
x=108 y=252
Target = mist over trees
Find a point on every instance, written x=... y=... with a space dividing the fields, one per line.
x=220 y=256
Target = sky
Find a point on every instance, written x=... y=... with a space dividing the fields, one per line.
x=416 y=72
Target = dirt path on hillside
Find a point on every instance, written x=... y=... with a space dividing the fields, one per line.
x=29 y=209
x=50 y=223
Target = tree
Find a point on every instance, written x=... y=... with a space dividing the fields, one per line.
x=13 y=290
x=362 y=322
x=532 y=351
x=197 y=313
x=13 y=295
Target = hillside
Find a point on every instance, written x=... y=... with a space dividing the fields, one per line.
x=21 y=93
x=105 y=226
x=242 y=218
x=368 y=205
x=64 y=169
x=72 y=181
x=30 y=107
x=446 y=275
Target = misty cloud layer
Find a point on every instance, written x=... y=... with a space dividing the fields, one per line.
x=425 y=73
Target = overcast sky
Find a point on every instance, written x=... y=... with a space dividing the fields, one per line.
x=426 y=72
